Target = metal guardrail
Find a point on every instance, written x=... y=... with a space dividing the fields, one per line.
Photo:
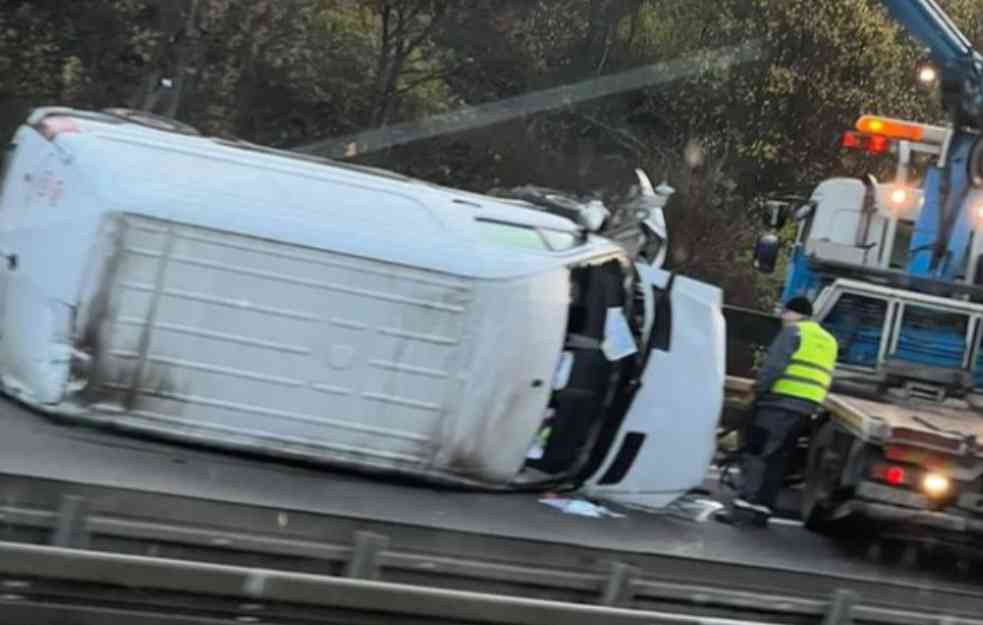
x=104 y=583
x=371 y=556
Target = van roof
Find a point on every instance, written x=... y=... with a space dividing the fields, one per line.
x=158 y=167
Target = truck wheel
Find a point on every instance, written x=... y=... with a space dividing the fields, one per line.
x=823 y=467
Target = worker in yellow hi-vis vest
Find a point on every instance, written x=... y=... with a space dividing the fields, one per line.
x=790 y=387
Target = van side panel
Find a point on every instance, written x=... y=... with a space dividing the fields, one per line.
x=227 y=339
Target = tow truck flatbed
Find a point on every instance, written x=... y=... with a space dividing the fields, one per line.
x=865 y=418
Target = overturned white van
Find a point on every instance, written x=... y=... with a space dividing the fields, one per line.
x=227 y=294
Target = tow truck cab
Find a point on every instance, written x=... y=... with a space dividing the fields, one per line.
x=897 y=439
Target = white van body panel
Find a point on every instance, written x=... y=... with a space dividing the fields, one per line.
x=310 y=354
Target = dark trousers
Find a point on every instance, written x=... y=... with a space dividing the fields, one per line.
x=771 y=438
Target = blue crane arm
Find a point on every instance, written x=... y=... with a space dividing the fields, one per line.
x=938 y=245
x=960 y=64
x=927 y=22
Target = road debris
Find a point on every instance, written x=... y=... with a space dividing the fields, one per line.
x=580 y=507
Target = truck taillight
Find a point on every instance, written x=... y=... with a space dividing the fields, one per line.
x=870 y=144
x=852 y=141
x=895 y=476
x=936 y=484
x=51 y=127
x=890 y=474
x=878 y=145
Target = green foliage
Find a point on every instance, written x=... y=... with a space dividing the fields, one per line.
x=287 y=72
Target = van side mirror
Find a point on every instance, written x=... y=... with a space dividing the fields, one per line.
x=776 y=214
x=766 y=252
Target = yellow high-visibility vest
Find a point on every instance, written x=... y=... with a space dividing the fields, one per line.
x=810 y=372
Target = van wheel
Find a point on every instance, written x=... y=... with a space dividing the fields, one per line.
x=823 y=468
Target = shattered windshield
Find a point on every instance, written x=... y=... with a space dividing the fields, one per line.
x=533 y=299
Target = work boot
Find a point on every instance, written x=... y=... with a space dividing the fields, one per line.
x=743 y=512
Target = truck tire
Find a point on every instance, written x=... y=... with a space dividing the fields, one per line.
x=822 y=477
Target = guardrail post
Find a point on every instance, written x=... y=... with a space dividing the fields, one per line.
x=841 y=606
x=364 y=563
x=70 y=527
x=618 y=587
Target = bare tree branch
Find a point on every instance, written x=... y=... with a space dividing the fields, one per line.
x=626 y=139
x=426 y=78
x=400 y=47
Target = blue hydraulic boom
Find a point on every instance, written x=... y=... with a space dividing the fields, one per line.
x=952 y=195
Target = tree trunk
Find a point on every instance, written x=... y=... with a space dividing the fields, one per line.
x=178 y=60
x=249 y=78
x=187 y=61
x=398 y=44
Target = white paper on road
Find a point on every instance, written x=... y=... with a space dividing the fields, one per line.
x=701 y=510
x=580 y=507
x=618 y=341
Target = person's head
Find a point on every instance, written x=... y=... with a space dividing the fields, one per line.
x=796 y=309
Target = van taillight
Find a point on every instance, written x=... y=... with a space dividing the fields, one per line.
x=51 y=127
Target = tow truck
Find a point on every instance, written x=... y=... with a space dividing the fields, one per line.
x=895 y=273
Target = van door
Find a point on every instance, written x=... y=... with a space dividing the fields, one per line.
x=667 y=438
